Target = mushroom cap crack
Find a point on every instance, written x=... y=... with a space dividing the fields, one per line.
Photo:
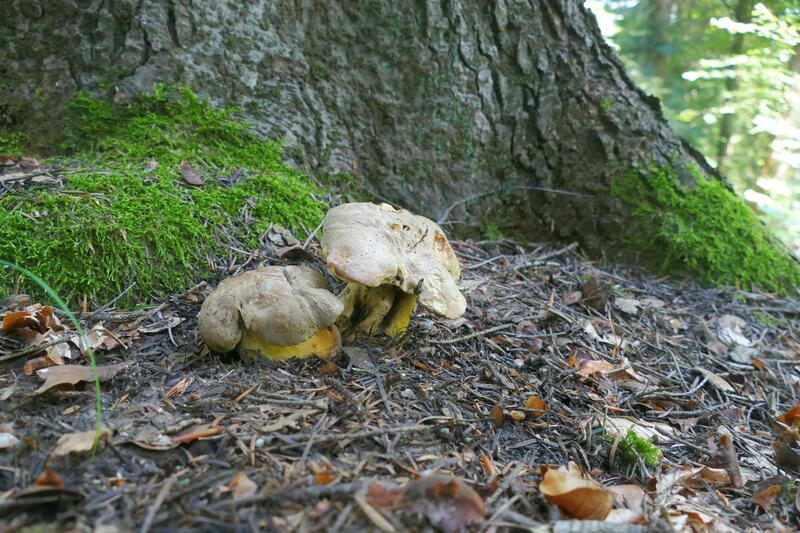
x=376 y=245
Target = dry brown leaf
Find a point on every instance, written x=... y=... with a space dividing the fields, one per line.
x=647 y=430
x=767 y=497
x=787 y=454
x=692 y=477
x=791 y=417
x=726 y=458
x=717 y=381
x=190 y=175
x=242 y=486
x=22 y=319
x=73 y=374
x=488 y=466
x=449 y=503
x=582 y=498
x=37 y=363
x=329 y=369
x=80 y=442
x=179 y=387
x=518 y=416
x=49 y=478
x=497 y=416
x=536 y=404
x=324 y=478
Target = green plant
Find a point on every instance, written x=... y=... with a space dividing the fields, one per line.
x=702 y=230
x=74 y=320
x=125 y=215
x=633 y=447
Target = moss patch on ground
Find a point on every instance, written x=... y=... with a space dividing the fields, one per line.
x=705 y=232
x=125 y=215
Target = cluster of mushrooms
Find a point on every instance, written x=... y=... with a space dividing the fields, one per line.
x=389 y=258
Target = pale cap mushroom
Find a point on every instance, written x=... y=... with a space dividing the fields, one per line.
x=390 y=258
x=277 y=312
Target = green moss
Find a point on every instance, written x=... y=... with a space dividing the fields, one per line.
x=633 y=447
x=705 y=231
x=126 y=216
x=12 y=144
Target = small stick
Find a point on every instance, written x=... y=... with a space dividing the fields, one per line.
x=360 y=434
x=473 y=335
x=156 y=505
x=311 y=235
x=34 y=349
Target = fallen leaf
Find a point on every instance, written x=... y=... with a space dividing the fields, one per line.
x=526 y=327
x=449 y=503
x=323 y=478
x=655 y=431
x=516 y=415
x=97 y=337
x=582 y=498
x=627 y=305
x=161 y=325
x=726 y=458
x=730 y=330
x=487 y=465
x=537 y=405
x=767 y=497
x=37 y=363
x=787 y=454
x=791 y=417
x=572 y=297
x=73 y=374
x=497 y=416
x=189 y=175
x=329 y=369
x=77 y=442
x=286 y=421
x=22 y=319
x=179 y=387
x=242 y=486
x=691 y=477
x=597 y=293
x=49 y=478
x=716 y=380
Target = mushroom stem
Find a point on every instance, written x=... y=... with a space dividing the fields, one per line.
x=372 y=310
x=324 y=343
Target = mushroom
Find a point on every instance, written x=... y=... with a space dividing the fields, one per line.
x=275 y=312
x=390 y=259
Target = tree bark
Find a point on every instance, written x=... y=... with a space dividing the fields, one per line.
x=743 y=13
x=514 y=111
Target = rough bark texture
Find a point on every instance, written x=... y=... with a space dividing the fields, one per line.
x=432 y=102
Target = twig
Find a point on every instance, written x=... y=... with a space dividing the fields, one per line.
x=108 y=305
x=341 y=437
x=34 y=349
x=156 y=505
x=311 y=235
x=473 y=335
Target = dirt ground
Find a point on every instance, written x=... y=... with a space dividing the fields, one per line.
x=552 y=363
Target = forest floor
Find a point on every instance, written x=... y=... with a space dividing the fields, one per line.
x=555 y=362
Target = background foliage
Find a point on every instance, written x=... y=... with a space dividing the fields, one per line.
x=728 y=76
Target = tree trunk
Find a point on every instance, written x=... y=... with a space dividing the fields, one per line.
x=743 y=13
x=514 y=111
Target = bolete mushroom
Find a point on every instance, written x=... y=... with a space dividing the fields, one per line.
x=390 y=259
x=275 y=312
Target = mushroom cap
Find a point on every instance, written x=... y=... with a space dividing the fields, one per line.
x=283 y=305
x=377 y=245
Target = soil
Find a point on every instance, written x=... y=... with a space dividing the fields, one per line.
x=595 y=347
